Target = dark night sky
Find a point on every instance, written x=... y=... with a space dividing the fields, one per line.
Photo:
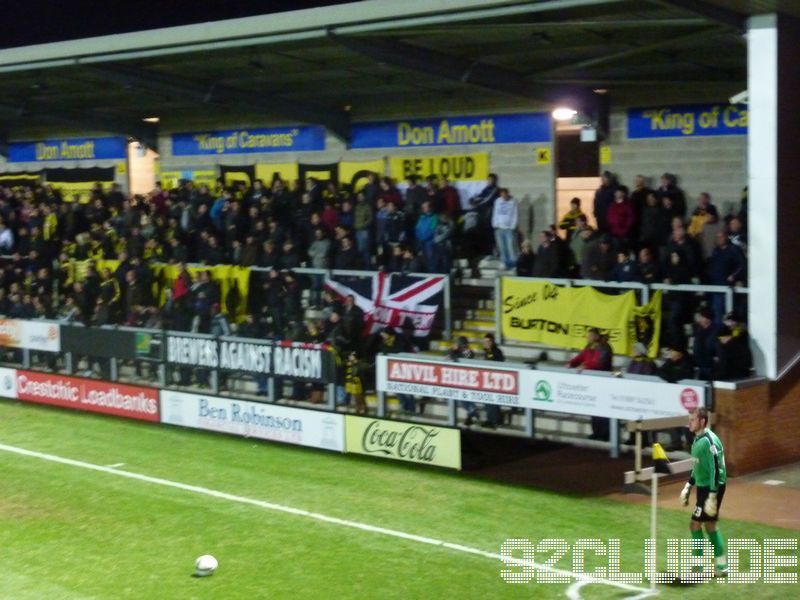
x=39 y=21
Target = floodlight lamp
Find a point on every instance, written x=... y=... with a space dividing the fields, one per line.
x=564 y=113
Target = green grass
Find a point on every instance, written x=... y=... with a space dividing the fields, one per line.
x=67 y=532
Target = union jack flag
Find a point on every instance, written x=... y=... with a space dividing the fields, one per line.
x=390 y=299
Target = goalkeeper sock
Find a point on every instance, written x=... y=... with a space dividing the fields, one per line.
x=719 y=548
x=697 y=534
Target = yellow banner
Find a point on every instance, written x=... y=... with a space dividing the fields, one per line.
x=411 y=442
x=540 y=312
x=286 y=171
x=233 y=281
x=354 y=174
x=463 y=167
x=82 y=189
x=645 y=326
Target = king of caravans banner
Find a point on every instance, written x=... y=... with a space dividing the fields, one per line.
x=390 y=300
x=541 y=312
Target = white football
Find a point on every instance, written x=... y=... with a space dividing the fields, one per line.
x=205 y=565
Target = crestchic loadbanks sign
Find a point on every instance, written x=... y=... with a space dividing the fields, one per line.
x=90 y=395
x=411 y=442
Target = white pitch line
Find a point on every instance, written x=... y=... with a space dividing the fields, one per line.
x=573 y=591
x=116 y=465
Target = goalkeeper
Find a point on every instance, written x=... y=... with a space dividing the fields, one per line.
x=709 y=475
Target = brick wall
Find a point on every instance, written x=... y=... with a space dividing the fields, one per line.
x=759 y=426
x=714 y=164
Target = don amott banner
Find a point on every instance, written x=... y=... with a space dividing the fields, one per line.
x=542 y=312
x=410 y=442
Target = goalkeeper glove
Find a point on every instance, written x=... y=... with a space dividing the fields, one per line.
x=710 y=505
x=685 y=494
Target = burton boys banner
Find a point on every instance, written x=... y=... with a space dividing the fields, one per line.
x=687 y=121
x=541 y=312
x=69 y=149
x=248 y=141
x=454 y=131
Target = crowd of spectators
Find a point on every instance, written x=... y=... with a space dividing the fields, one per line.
x=276 y=227
x=647 y=235
x=642 y=235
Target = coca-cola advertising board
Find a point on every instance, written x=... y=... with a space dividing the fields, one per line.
x=412 y=442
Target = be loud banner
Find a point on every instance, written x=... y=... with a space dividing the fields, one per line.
x=467 y=172
x=541 y=312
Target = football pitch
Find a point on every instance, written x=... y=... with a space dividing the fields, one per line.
x=95 y=507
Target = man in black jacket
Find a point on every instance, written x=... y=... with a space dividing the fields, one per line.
x=679 y=365
x=491 y=351
x=734 y=358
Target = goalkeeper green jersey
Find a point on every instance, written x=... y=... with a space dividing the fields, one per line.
x=709 y=461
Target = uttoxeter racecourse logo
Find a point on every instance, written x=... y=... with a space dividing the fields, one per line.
x=544 y=391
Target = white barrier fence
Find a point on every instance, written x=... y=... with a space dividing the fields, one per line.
x=519 y=386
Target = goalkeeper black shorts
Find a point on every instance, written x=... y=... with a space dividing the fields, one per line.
x=699 y=513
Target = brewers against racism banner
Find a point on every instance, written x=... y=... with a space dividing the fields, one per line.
x=313 y=428
x=687 y=121
x=310 y=362
x=541 y=312
x=411 y=442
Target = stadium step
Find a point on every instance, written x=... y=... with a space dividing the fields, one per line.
x=482 y=282
x=480 y=314
x=476 y=326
